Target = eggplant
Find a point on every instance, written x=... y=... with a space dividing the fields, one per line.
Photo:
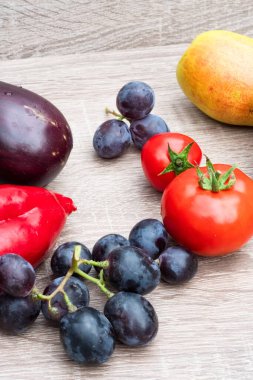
x=35 y=138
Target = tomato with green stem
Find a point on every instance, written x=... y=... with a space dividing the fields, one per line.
x=166 y=155
x=209 y=211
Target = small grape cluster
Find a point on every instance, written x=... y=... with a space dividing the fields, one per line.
x=134 y=101
x=132 y=267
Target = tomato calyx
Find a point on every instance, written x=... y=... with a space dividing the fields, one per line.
x=179 y=161
x=216 y=181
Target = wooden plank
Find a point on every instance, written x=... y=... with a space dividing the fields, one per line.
x=206 y=326
x=50 y=27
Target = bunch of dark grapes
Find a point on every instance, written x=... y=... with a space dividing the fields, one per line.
x=134 y=101
x=128 y=266
x=132 y=267
x=88 y=335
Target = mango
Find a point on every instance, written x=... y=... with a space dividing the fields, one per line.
x=216 y=74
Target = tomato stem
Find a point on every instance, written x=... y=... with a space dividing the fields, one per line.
x=178 y=161
x=216 y=181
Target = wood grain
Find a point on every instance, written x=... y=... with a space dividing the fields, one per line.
x=55 y=27
x=206 y=326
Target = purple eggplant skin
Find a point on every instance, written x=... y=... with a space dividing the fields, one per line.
x=35 y=138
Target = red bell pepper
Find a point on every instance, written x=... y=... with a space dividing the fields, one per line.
x=31 y=219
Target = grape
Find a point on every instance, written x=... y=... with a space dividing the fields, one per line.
x=135 y=100
x=141 y=130
x=130 y=269
x=17 y=276
x=133 y=318
x=177 y=265
x=105 y=245
x=62 y=258
x=87 y=336
x=17 y=314
x=111 y=139
x=151 y=236
x=75 y=289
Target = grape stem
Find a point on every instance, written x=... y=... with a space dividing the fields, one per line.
x=96 y=281
x=100 y=264
x=114 y=113
x=76 y=261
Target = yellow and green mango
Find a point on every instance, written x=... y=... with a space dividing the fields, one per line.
x=216 y=74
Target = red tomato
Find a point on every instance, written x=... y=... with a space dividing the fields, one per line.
x=170 y=151
x=206 y=222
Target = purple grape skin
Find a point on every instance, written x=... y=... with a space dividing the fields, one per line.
x=17 y=314
x=111 y=139
x=17 y=276
x=151 y=236
x=133 y=318
x=177 y=265
x=130 y=269
x=61 y=260
x=77 y=292
x=87 y=336
x=141 y=130
x=135 y=100
x=35 y=138
x=105 y=245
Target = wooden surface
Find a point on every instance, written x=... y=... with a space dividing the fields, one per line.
x=51 y=27
x=206 y=326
